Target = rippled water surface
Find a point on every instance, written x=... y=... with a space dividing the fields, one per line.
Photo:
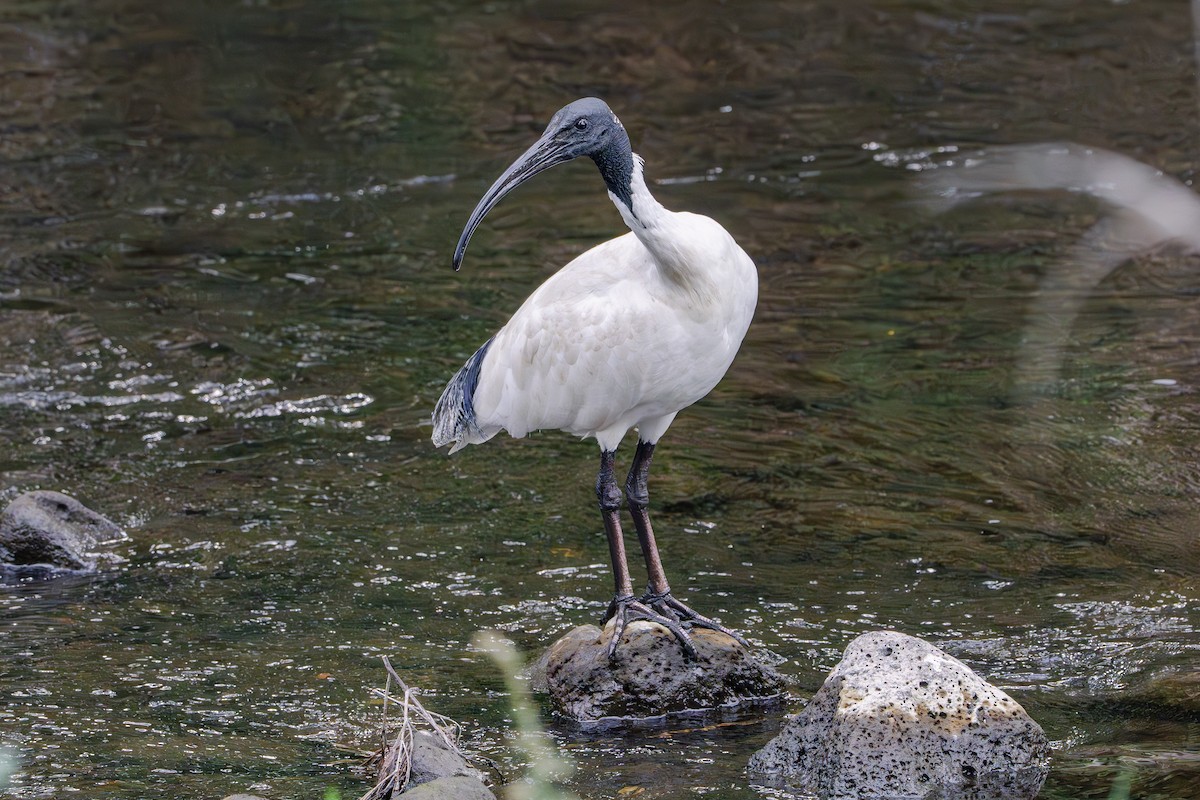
x=226 y=310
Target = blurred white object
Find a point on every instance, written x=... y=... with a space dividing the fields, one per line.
x=1150 y=210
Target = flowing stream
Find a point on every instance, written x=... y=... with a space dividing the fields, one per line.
x=227 y=308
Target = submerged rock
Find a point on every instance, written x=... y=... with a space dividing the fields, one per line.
x=1168 y=695
x=52 y=529
x=900 y=718
x=431 y=760
x=650 y=675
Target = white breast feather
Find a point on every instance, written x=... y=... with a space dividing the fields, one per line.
x=602 y=342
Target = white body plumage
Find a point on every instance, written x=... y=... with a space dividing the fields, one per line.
x=624 y=336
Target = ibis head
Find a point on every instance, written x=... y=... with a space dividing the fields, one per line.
x=587 y=127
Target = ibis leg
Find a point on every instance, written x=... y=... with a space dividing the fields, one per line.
x=638 y=496
x=610 y=510
x=658 y=592
x=624 y=606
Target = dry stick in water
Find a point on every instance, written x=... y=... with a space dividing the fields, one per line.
x=396 y=768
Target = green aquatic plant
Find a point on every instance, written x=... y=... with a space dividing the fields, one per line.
x=8 y=765
x=1122 y=785
x=546 y=766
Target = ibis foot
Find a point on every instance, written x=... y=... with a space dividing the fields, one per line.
x=626 y=608
x=666 y=605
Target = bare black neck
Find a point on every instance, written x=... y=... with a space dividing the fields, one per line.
x=615 y=162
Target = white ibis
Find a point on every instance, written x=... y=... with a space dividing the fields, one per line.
x=625 y=336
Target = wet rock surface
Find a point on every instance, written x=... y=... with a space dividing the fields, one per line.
x=898 y=717
x=650 y=675
x=51 y=529
x=435 y=770
x=452 y=788
x=432 y=760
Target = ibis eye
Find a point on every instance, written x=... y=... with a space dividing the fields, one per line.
x=581 y=124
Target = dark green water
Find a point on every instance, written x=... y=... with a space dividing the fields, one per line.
x=226 y=310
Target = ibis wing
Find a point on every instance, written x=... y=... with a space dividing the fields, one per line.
x=598 y=348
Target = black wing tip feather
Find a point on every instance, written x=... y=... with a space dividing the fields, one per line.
x=454 y=415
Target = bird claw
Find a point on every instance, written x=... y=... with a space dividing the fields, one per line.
x=626 y=608
x=667 y=605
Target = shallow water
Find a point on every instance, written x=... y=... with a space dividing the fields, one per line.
x=226 y=310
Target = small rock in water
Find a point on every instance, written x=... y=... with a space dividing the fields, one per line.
x=435 y=770
x=452 y=788
x=651 y=675
x=898 y=717
x=431 y=760
x=52 y=529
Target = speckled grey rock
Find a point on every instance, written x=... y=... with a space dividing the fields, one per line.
x=52 y=529
x=651 y=675
x=898 y=718
x=453 y=788
x=432 y=760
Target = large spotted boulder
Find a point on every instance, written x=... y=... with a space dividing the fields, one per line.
x=898 y=717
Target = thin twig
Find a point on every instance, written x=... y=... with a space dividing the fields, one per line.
x=395 y=769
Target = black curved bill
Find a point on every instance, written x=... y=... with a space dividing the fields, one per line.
x=544 y=154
